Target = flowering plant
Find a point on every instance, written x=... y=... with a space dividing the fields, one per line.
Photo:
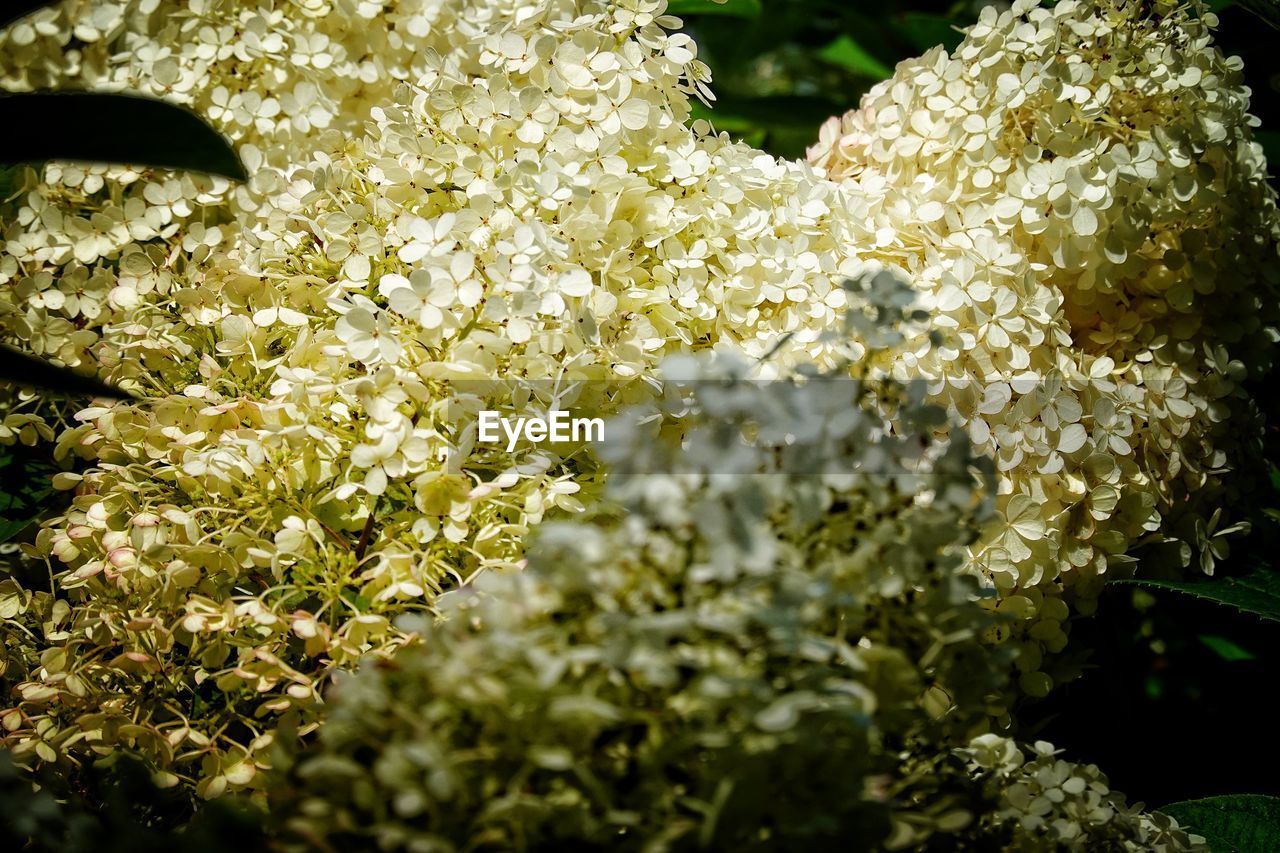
x=455 y=202
x=771 y=646
x=1078 y=195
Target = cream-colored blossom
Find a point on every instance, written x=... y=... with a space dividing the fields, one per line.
x=1077 y=193
x=299 y=462
x=1045 y=802
x=451 y=193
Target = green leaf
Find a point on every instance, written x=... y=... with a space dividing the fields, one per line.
x=1224 y=648
x=22 y=369
x=103 y=128
x=749 y=114
x=782 y=125
x=1267 y=10
x=1239 y=823
x=26 y=488
x=8 y=176
x=1257 y=592
x=11 y=527
x=1270 y=142
x=924 y=31
x=850 y=55
x=735 y=8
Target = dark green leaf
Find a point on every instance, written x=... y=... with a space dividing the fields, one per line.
x=357 y=601
x=8 y=176
x=1240 y=823
x=95 y=127
x=747 y=114
x=1257 y=592
x=1267 y=10
x=1270 y=142
x=11 y=526
x=25 y=488
x=22 y=369
x=15 y=9
x=1224 y=648
x=924 y=31
x=782 y=125
x=736 y=8
x=848 y=54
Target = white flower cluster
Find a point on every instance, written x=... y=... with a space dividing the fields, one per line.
x=728 y=659
x=87 y=247
x=534 y=207
x=1047 y=803
x=736 y=657
x=529 y=205
x=1076 y=193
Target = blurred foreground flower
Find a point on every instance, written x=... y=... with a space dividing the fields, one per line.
x=776 y=658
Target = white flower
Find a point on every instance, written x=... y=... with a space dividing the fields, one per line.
x=427 y=239
x=490 y=206
x=421 y=296
x=369 y=336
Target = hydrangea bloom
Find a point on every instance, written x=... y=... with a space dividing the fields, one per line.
x=86 y=247
x=531 y=204
x=1043 y=802
x=775 y=658
x=534 y=209
x=1076 y=192
x=729 y=659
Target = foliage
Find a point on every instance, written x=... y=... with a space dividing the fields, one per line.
x=18 y=368
x=1233 y=824
x=124 y=132
x=782 y=71
x=34 y=819
x=1257 y=592
x=735 y=8
x=25 y=488
x=1267 y=10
